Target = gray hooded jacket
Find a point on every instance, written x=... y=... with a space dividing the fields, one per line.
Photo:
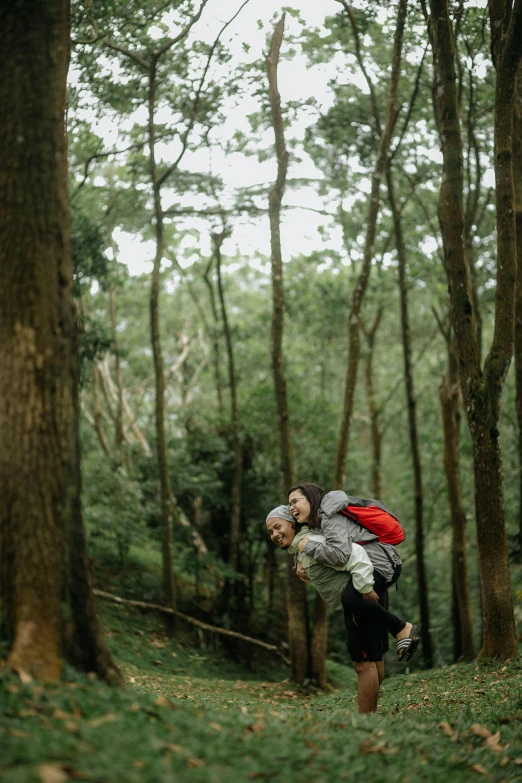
x=340 y=532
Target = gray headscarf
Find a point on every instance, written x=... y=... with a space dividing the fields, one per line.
x=282 y=512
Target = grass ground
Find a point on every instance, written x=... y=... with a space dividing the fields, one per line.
x=189 y=714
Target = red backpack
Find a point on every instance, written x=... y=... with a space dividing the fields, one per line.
x=375 y=517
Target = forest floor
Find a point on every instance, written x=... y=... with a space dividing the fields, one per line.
x=191 y=715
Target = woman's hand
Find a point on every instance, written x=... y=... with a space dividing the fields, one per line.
x=301 y=573
x=303 y=542
x=371 y=596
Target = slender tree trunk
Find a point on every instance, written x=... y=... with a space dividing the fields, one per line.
x=43 y=572
x=422 y=581
x=482 y=389
x=96 y=409
x=109 y=391
x=470 y=260
x=449 y=398
x=319 y=642
x=296 y=598
x=271 y=575
x=354 y=346
x=375 y=429
x=119 y=436
x=472 y=202
x=235 y=512
x=216 y=352
x=169 y=587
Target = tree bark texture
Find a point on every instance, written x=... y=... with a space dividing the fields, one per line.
x=481 y=390
x=450 y=405
x=42 y=547
x=354 y=338
x=471 y=207
x=298 y=634
x=517 y=178
x=169 y=585
x=422 y=581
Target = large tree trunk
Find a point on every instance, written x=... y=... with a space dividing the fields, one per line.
x=462 y=622
x=354 y=339
x=422 y=582
x=42 y=547
x=482 y=389
x=169 y=586
x=517 y=176
x=298 y=635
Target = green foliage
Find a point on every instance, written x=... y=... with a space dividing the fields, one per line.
x=88 y=244
x=113 y=507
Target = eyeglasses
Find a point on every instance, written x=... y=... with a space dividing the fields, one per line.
x=292 y=503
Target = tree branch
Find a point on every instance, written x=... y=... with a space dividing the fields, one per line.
x=360 y=61
x=183 y=34
x=167 y=173
x=131 y=55
x=204 y=626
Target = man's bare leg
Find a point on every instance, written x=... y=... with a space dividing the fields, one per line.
x=380 y=671
x=368 y=684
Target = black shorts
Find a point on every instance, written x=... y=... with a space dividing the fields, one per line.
x=367 y=642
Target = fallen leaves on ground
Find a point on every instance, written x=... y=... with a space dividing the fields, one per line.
x=51 y=773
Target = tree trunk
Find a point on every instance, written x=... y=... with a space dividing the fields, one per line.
x=214 y=335
x=234 y=592
x=422 y=582
x=271 y=575
x=42 y=548
x=235 y=514
x=482 y=390
x=169 y=587
x=462 y=621
x=376 y=435
x=319 y=642
x=119 y=436
x=298 y=635
x=517 y=176
x=354 y=344
x=96 y=409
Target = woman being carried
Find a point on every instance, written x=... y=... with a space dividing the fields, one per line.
x=321 y=513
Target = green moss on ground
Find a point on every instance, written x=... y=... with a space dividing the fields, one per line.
x=194 y=715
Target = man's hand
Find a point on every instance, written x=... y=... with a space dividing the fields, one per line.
x=371 y=596
x=303 y=542
x=301 y=573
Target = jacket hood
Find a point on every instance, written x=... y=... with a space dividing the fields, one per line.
x=333 y=502
x=301 y=533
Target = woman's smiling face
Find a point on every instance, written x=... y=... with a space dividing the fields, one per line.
x=299 y=506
